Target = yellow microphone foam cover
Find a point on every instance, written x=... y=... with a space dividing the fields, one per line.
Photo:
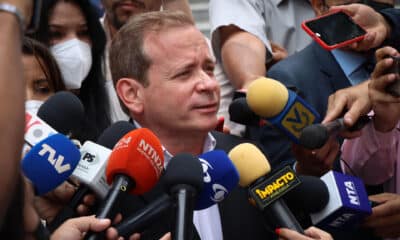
x=267 y=97
x=250 y=163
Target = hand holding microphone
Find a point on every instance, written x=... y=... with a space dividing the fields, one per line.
x=310 y=233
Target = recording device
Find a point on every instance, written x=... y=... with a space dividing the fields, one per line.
x=281 y=107
x=335 y=29
x=219 y=178
x=348 y=202
x=134 y=166
x=184 y=181
x=316 y=135
x=35 y=20
x=240 y=112
x=394 y=87
x=266 y=191
x=50 y=162
x=90 y=171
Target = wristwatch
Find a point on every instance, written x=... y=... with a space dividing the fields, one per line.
x=7 y=7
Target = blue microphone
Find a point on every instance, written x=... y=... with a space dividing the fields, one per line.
x=220 y=177
x=50 y=162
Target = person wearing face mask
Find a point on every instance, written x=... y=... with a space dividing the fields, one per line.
x=41 y=72
x=77 y=40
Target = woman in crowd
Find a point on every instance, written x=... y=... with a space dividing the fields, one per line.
x=77 y=40
x=41 y=72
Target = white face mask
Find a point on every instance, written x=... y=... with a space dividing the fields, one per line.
x=74 y=58
x=32 y=106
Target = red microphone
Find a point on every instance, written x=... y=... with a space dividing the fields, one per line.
x=134 y=166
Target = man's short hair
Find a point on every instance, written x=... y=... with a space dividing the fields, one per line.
x=127 y=56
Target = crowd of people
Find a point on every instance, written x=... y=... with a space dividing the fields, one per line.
x=146 y=62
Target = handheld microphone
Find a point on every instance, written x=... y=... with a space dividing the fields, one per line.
x=240 y=112
x=134 y=166
x=348 y=202
x=50 y=162
x=38 y=127
x=219 y=177
x=184 y=180
x=90 y=171
x=265 y=191
x=316 y=135
x=280 y=106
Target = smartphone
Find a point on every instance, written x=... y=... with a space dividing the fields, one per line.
x=35 y=20
x=394 y=87
x=334 y=30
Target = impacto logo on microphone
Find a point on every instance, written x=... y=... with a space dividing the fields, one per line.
x=272 y=188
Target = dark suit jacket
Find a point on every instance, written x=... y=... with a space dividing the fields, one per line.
x=239 y=219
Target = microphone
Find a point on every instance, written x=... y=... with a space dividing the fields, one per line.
x=38 y=127
x=50 y=162
x=134 y=166
x=90 y=171
x=348 y=202
x=265 y=191
x=240 y=112
x=280 y=106
x=184 y=180
x=316 y=135
x=219 y=177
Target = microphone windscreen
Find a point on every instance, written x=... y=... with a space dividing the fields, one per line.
x=250 y=163
x=219 y=176
x=184 y=168
x=267 y=97
x=114 y=133
x=312 y=195
x=313 y=136
x=138 y=155
x=50 y=162
x=63 y=111
x=240 y=112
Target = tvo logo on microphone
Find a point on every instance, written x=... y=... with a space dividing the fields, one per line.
x=56 y=162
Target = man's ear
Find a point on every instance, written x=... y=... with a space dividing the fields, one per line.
x=130 y=92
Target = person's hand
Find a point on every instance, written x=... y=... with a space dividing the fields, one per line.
x=386 y=107
x=278 y=53
x=309 y=234
x=49 y=205
x=374 y=23
x=354 y=101
x=318 y=161
x=25 y=6
x=385 y=218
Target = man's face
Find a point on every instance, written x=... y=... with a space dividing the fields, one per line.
x=119 y=11
x=183 y=94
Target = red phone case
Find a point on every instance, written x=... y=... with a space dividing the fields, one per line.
x=321 y=42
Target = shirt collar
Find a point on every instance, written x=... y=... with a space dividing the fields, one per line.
x=348 y=61
x=209 y=144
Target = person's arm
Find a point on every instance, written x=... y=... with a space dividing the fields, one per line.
x=243 y=56
x=12 y=98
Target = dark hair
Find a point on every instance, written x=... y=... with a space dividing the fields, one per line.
x=93 y=92
x=46 y=61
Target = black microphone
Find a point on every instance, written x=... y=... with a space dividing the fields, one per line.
x=240 y=112
x=316 y=135
x=63 y=111
x=184 y=181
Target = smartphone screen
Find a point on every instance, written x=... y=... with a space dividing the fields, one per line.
x=335 y=28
